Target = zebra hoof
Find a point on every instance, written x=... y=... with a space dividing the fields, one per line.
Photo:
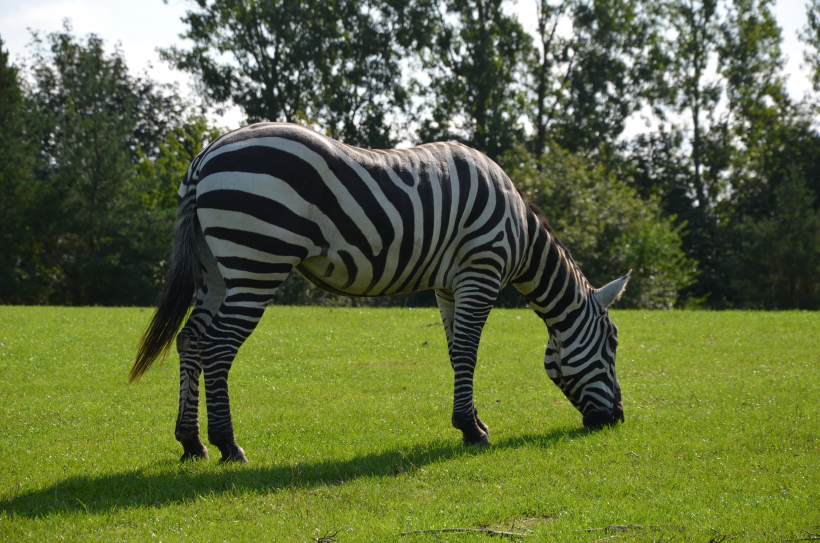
x=475 y=432
x=231 y=452
x=474 y=435
x=481 y=440
x=194 y=450
x=478 y=421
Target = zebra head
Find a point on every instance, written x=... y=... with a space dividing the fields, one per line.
x=580 y=358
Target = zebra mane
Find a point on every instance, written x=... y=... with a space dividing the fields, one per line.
x=542 y=222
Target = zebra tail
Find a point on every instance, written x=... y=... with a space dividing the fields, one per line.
x=181 y=283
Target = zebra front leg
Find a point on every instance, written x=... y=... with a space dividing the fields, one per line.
x=446 y=306
x=190 y=368
x=462 y=359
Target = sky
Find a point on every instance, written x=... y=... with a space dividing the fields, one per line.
x=141 y=27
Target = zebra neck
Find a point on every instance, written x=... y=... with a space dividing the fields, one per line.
x=552 y=283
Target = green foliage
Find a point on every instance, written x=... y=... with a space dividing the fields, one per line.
x=92 y=156
x=693 y=95
x=811 y=36
x=606 y=226
x=661 y=168
x=484 y=82
x=98 y=212
x=332 y=64
x=766 y=129
x=778 y=266
x=475 y=65
x=585 y=85
x=345 y=417
x=751 y=61
x=158 y=179
x=18 y=246
x=723 y=163
x=95 y=235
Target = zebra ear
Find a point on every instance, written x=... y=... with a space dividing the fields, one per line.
x=610 y=293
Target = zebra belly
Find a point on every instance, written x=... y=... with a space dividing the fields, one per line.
x=328 y=272
x=333 y=273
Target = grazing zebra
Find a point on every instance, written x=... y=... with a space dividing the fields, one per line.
x=271 y=197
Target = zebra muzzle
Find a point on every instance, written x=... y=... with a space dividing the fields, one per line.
x=605 y=418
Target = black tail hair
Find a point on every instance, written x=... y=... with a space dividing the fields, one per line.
x=173 y=302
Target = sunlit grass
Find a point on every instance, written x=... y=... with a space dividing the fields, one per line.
x=345 y=417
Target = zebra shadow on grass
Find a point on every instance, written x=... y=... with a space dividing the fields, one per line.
x=174 y=482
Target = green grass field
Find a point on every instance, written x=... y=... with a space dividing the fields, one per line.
x=345 y=417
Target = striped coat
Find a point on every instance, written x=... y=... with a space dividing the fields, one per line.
x=270 y=198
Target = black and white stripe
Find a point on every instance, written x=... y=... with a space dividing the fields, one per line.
x=271 y=197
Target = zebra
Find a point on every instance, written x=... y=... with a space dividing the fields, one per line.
x=269 y=198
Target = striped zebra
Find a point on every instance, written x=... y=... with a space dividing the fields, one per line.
x=271 y=197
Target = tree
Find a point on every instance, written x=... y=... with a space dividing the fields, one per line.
x=692 y=185
x=606 y=225
x=775 y=173
x=738 y=129
x=97 y=240
x=778 y=266
x=475 y=66
x=157 y=180
x=585 y=85
x=697 y=39
x=762 y=119
x=17 y=153
x=332 y=64
x=811 y=36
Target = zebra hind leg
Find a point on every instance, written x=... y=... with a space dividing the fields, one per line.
x=463 y=350
x=190 y=368
x=236 y=319
x=209 y=298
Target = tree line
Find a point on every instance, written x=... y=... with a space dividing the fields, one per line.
x=714 y=205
